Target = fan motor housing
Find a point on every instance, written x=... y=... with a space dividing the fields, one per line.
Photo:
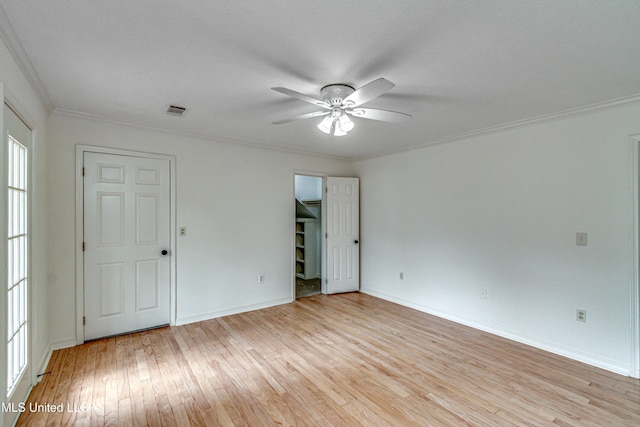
x=335 y=93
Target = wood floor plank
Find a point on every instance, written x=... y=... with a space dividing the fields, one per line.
x=341 y=360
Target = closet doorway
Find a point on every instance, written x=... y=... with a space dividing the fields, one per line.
x=309 y=229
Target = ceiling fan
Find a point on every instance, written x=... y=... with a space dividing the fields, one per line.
x=339 y=101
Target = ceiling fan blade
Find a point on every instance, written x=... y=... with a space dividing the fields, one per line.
x=303 y=116
x=383 y=115
x=367 y=92
x=302 y=96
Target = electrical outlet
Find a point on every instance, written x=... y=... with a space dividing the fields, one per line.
x=401 y=276
x=483 y=293
x=183 y=231
x=260 y=279
x=581 y=315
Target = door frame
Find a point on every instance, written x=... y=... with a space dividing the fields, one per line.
x=80 y=150
x=323 y=224
x=634 y=289
x=29 y=377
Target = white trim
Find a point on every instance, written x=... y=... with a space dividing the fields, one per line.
x=572 y=112
x=14 y=106
x=12 y=41
x=3 y=257
x=263 y=145
x=42 y=365
x=609 y=365
x=79 y=238
x=271 y=145
x=14 y=103
x=230 y=311
x=63 y=343
x=80 y=150
x=634 y=289
x=22 y=390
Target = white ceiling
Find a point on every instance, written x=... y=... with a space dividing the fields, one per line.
x=459 y=66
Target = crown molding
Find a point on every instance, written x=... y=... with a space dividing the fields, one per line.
x=215 y=138
x=11 y=40
x=485 y=131
x=572 y=112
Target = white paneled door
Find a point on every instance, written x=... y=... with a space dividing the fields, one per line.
x=126 y=244
x=343 y=234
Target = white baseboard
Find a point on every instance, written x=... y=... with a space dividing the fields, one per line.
x=41 y=366
x=230 y=311
x=63 y=343
x=598 y=362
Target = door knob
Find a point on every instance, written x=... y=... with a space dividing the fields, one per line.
x=164 y=252
x=356 y=242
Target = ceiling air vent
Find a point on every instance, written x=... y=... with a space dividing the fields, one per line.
x=174 y=110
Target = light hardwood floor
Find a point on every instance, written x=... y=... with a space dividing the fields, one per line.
x=343 y=360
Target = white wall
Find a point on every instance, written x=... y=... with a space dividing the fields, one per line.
x=236 y=201
x=22 y=97
x=499 y=212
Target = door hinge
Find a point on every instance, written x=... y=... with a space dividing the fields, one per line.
x=83 y=247
x=82 y=171
x=326 y=235
x=84 y=320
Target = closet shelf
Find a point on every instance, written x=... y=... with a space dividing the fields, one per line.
x=306 y=248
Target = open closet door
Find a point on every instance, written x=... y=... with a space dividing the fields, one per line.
x=343 y=234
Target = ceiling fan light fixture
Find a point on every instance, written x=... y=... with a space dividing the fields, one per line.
x=341 y=100
x=345 y=123
x=326 y=124
x=337 y=123
x=337 y=130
